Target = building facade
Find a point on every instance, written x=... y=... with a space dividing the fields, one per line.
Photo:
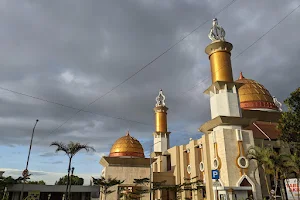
x=126 y=162
x=53 y=192
x=243 y=114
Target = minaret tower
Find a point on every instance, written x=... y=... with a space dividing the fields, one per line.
x=161 y=134
x=224 y=99
x=226 y=141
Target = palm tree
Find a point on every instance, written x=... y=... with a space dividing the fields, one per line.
x=263 y=158
x=280 y=163
x=105 y=184
x=276 y=164
x=71 y=150
x=141 y=184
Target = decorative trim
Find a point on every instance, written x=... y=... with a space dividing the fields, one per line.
x=201 y=166
x=258 y=104
x=239 y=135
x=133 y=154
x=240 y=157
x=238 y=184
x=189 y=169
x=217 y=158
x=239 y=162
x=214 y=137
x=216 y=163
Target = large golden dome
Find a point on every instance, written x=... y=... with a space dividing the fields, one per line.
x=254 y=96
x=127 y=146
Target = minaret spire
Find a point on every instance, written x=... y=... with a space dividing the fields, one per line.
x=160 y=99
x=219 y=54
x=161 y=134
x=241 y=76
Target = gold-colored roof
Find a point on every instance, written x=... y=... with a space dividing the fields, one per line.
x=127 y=146
x=254 y=95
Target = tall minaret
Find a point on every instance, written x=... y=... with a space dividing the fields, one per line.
x=225 y=140
x=224 y=99
x=161 y=134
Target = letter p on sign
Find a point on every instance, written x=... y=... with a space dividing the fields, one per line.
x=215 y=174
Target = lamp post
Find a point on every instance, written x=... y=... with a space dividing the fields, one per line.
x=72 y=172
x=150 y=183
x=25 y=172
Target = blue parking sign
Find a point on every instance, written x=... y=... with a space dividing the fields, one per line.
x=215 y=174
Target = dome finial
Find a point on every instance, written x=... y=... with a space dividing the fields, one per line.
x=241 y=76
x=216 y=31
x=127 y=133
x=160 y=99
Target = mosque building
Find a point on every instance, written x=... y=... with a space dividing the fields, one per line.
x=243 y=114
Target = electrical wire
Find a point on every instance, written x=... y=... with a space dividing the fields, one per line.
x=145 y=66
x=243 y=51
x=74 y=108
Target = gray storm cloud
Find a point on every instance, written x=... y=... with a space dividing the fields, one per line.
x=75 y=51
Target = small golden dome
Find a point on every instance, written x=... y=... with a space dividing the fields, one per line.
x=254 y=96
x=127 y=146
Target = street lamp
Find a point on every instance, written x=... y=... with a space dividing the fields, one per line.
x=25 y=172
x=151 y=149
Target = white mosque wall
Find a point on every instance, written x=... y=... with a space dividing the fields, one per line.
x=224 y=147
x=160 y=142
x=224 y=103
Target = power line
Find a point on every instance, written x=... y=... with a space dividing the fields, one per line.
x=243 y=51
x=145 y=66
x=74 y=108
x=70 y=107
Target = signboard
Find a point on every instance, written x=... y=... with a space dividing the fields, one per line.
x=33 y=195
x=215 y=174
x=291 y=188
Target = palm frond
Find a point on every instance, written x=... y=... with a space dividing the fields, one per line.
x=60 y=147
x=71 y=148
x=76 y=147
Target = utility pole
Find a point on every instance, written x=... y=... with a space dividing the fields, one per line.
x=25 y=172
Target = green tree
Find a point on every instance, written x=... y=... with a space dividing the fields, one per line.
x=5 y=182
x=37 y=182
x=70 y=150
x=272 y=163
x=293 y=166
x=289 y=124
x=106 y=184
x=280 y=162
x=74 y=180
x=141 y=183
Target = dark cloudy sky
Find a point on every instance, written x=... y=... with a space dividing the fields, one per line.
x=74 y=51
